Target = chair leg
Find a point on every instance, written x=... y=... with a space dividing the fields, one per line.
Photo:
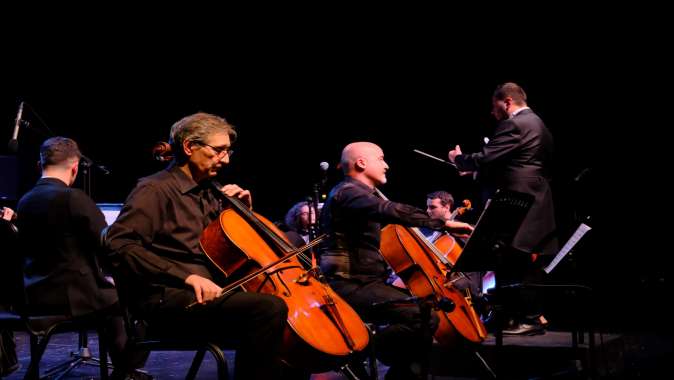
x=37 y=348
x=484 y=365
x=196 y=363
x=103 y=353
x=349 y=373
x=355 y=368
x=220 y=360
x=372 y=356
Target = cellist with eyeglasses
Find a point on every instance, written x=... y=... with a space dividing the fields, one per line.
x=156 y=239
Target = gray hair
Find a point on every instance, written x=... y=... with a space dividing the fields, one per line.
x=292 y=218
x=197 y=127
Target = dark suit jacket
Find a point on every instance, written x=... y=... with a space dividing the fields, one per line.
x=517 y=158
x=59 y=237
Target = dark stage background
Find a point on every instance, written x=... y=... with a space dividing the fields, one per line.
x=297 y=106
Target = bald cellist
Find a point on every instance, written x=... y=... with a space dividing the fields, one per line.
x=350 y=258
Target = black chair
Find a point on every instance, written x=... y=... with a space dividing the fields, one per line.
x=167 y=344
x=10 y=288
x=9 y=323
x=41 y=328
x=141 y=341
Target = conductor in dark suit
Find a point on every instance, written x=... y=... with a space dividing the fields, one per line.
x=59 y=235
x=518 y=157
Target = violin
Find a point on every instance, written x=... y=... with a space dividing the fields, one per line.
x=422 y=267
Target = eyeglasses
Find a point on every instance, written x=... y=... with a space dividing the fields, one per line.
x=220 y=152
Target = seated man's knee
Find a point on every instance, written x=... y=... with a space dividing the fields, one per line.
x=275 y=308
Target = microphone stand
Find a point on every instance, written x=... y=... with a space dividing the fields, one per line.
x=86 y=164
x=313 y=204
x=313 y=211
x=314 y=201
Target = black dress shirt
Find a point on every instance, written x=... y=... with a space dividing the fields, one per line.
x=352 y=216
x=155 y=239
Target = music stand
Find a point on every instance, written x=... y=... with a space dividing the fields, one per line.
x=489 y=245
x=9 y=167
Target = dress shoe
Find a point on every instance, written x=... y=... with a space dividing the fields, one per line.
x=524 y=329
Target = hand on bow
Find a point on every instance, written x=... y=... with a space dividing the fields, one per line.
x=205 y=290
x=459 y=229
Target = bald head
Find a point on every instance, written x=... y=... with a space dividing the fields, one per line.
x=356 y=150
x=364 y=161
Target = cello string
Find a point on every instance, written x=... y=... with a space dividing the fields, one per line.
x=277 y=240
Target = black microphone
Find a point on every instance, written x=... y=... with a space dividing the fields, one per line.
x=87 y=163
x=324 y=171
x=324 y=179
x=13 y=144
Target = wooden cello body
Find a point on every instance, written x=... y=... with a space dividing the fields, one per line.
x=419 y=270
x=446 y=243
x=322 y=330
x=418 y=263
x=449 y=247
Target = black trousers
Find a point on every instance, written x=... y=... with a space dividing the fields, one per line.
x=401 y=341
x=525 y=303
x=125 y=358
x=250 y=323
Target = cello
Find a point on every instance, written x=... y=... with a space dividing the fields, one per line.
x=322 y=330
x=417 y=262
x=446 y=243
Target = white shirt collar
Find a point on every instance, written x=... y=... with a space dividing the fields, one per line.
x=519 y=110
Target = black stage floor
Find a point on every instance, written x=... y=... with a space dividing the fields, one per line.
x=547 y=356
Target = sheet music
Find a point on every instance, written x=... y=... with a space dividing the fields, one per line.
x=580 y=231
